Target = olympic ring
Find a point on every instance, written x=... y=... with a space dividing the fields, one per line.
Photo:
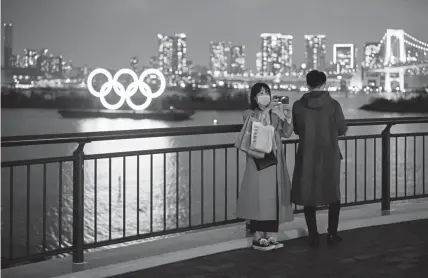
x=126 y=94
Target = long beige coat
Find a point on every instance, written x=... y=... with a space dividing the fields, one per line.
x=258 y=195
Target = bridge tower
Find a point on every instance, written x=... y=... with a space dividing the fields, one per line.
x=394 y=39
x=399 y=77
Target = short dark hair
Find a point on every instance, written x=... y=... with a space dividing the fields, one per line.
x=255 y=90
x=315 y=79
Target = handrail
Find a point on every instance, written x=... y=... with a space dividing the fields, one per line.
x=86 y=137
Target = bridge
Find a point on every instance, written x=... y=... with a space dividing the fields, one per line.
x=59 y=206
x=397 y=53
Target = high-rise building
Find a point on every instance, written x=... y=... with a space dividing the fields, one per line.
x=56 y=66
x=7 y=45
x=153 y=62
x=277 y=52
x=50 y=65
x=237 y=59
x=43 y=62
x=172 y=53
x=31 y=58
x=67 y=68
x=259 y=62
x=179 y=56
x=15 y=60
x=133 y=63
x=165 y=53
x=315 y=53
x=344 y=57
x=370 y=51
x=220 y=57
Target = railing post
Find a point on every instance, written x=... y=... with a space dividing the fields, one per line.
x=247 y=229
x=386 y=168
x=78 y=204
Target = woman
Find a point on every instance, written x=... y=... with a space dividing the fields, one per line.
x=264 y=198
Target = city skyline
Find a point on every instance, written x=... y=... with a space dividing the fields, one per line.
x=34 y=36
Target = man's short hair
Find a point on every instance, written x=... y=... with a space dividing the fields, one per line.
x=315 y=78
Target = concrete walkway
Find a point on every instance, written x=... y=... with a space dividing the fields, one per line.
x=395 y=250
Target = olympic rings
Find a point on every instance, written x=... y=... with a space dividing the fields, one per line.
x=126 y=94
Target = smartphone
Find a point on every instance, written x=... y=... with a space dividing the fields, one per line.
x=285 y=100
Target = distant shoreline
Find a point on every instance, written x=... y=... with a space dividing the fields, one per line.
x=180 y=104
x=417 y=104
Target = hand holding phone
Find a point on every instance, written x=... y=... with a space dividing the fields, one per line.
x=282 y=108
x=285 y=100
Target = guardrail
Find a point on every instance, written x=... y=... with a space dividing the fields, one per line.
x=81 y=208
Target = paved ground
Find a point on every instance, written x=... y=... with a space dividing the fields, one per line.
x=397 y=250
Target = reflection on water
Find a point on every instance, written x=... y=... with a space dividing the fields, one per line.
x=138 y=195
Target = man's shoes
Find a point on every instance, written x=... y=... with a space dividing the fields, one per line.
x=333 y=238
x=314 y=240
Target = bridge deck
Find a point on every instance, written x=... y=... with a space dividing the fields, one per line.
x=396 y=250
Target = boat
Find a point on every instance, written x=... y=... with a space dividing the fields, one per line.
x=164 y=115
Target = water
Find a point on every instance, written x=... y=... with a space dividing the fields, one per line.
x=206 y=182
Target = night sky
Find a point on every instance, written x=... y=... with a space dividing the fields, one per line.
x=107 y=33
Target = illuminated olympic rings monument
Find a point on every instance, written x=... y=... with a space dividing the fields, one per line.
x=126 y=93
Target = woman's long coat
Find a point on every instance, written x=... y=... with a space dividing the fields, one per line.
x=260 y=196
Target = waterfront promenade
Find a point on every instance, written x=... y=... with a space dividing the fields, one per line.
x=180 y=200
x=389 y=251
x=372 y=237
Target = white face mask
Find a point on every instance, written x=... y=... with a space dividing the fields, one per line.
x=263 y=100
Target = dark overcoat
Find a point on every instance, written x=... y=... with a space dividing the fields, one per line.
x=318 y=120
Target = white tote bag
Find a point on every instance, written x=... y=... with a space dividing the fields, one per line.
x=261 y=137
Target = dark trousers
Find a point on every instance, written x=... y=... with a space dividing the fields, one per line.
x=333 y=218
x=267 y=226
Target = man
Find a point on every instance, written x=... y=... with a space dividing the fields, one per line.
x=318 y=120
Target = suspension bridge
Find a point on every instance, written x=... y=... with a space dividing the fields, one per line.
x=397 y=53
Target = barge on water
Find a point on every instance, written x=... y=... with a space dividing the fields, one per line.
x=163 y=115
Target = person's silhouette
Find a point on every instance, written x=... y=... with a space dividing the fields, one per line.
x=318 y=120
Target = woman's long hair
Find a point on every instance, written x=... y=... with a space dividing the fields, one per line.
x=255 y=90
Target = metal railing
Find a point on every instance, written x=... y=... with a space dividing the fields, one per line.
x=196 y=188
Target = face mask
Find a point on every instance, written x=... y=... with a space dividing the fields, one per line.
x=263 y=100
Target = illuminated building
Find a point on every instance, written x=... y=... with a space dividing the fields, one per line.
x=259 y=62
x=179 y=59
x=277 y=52
x=344 y=57
x=56 y=66
x=165 y=53
x=67 y=68
x=7 y=45
x=134 y=63
x=43 y=61
x=189 y=64
x=14 y=61
x=220 y=57
x=30 y=58
x=237 y=59
x=370 y=51
x=51 y=66
x=153 y=62
x=81 y=72
x=315 y=52
x=172 y=52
